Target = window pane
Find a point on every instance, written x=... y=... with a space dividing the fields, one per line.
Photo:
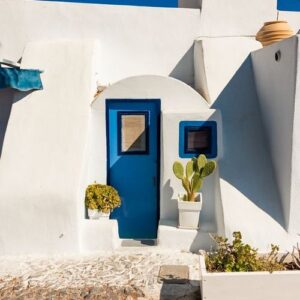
x=133 y=133
x=198 y=140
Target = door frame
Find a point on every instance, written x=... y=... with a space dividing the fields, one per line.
x=158 y=144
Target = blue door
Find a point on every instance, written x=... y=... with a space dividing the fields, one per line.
x=133 y=143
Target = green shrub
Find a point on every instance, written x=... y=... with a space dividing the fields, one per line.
x=240 y=257
x=102 y=197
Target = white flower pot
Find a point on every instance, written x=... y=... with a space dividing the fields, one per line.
x=189 y=212
x=95 y=214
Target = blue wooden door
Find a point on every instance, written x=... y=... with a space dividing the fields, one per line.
x=133 y=143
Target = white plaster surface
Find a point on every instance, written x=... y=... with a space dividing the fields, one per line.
x=41 y=162
x=249 y=285
x=171 y=237
x=248 y=189
x=240 y=17
x=99 y=234
x=217 y=60
x=277 y=86
x=134 y=40
x=60 y=128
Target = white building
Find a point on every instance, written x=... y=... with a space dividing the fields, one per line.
x=187 y=66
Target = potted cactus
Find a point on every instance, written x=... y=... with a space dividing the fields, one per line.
x=190 y=204
x=100 y=200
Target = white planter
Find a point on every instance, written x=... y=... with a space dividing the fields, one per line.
x=95 y=214
x=249 y=285
x=189 y=212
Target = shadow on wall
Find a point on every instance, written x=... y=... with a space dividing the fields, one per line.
x=7 y=98
x=184 y=70
x=169 y=199
x=246 y=163
x=190 y=3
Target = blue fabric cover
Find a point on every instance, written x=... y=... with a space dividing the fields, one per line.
x=22 y=80
x=288 y=5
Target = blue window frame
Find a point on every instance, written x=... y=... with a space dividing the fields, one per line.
x=137 y=142
x=198 y=137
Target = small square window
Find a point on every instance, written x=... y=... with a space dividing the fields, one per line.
x=133 y=132
x=197 y=137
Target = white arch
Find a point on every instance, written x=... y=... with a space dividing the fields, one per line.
x=178 y=101
x=175 y=95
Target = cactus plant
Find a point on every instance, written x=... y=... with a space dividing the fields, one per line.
x=192 y=178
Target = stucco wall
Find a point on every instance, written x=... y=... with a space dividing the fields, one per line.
x=220 y=18
x=134 y=40
x=41 y=162
x=249 y=192
x=277 y=86
x=216 y=62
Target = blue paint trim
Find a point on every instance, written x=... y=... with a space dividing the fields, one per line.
x=288 y=5
x=151 y=3
x=185 y=126
x=140 y=113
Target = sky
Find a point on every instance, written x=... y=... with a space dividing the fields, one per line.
x=160 y=3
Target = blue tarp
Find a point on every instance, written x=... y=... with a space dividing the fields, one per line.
x=155 y=3
x=288 y=5
x=22 y=80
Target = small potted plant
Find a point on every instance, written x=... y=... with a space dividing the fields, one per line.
x=190 y=204
x=101 y=200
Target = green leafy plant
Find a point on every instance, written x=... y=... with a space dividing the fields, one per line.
x=240 y=257
x=102 y=197
x=192 y=177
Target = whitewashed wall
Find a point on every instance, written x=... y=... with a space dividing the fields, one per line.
x=225 y=18
x=216 y=62
x=277 y=85
x=42 y=157
x=133 y=40
x=249 y=191
x=136 y=41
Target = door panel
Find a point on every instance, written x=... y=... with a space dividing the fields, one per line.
x=133 y=164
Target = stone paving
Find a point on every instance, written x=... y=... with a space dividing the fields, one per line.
x=125 y=274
